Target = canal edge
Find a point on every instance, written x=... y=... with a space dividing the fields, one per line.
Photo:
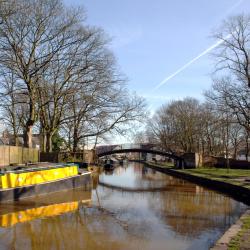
x=238 y=193
x=224 y=240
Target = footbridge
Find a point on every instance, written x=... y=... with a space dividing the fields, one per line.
x=137 y=148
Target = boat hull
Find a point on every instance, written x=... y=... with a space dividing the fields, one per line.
x=15 y=194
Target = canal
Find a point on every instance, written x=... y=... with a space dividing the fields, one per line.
x=131 y=207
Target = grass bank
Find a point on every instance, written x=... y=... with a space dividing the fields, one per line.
x=242 y=239
x=237 y=177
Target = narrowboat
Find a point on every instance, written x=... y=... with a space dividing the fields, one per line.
x=23 y=182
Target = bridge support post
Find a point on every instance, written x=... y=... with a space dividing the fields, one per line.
x=192 y=160
x=92 y=157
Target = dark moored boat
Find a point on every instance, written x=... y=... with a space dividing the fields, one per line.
x=109 y=164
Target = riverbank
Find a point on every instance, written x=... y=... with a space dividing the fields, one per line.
x=232 y=182
x=239 y=177
x=237 y=237
x=229 y=184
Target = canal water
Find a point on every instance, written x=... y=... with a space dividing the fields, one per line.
x=131 y=207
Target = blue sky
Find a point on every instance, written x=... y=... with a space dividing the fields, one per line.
x=153 y=39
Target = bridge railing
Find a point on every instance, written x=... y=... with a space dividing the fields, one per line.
x=108 y=148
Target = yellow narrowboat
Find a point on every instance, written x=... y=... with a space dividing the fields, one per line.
x=41 y=179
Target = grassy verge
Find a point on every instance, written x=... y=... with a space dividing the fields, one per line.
x=242 y=239
x=238 y=177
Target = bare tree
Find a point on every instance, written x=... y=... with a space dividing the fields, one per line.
x=236 y=133
x=176 y=125
x=6 y=9
x=231 y=97
x=64 y=75
x=190 y=126
x=9 y=105
x=233 y=54
x=112 y=110
x=29 y=40
x=70 y=73
x=230 y=93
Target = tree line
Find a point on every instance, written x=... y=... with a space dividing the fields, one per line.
x=59 y=76
x=220 y=125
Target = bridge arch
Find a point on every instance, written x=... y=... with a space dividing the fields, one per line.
x=179 y=160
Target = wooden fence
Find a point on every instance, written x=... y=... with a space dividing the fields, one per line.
x=87 y=156
x=17 y=155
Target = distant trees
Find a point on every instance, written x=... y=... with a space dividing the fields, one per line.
x=220 y=125
x=230 y=102
x=232 y=97
x=190 y=126
x=175 y=125
x=58 y=74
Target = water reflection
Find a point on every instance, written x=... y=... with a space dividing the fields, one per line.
x=137 y=208
x=10 y=219
x=43 y=206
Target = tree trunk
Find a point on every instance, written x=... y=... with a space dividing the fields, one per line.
x=75 y=145
x=96 y=140
x=247 y=151
x=235 y=145
x=43 y=141
x=49 y=142
x=75 y=141
x=16 y=141
x=28 y=135
x=247 y=145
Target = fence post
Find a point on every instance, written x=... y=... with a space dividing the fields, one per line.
x=4 y=155
x=22 y=154
x=9 y=155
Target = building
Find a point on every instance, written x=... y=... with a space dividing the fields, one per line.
x=241 y=155
x=8 y=139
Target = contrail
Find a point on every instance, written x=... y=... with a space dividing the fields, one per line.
x=192 y=61
x=233 y=7
x=203 y=53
